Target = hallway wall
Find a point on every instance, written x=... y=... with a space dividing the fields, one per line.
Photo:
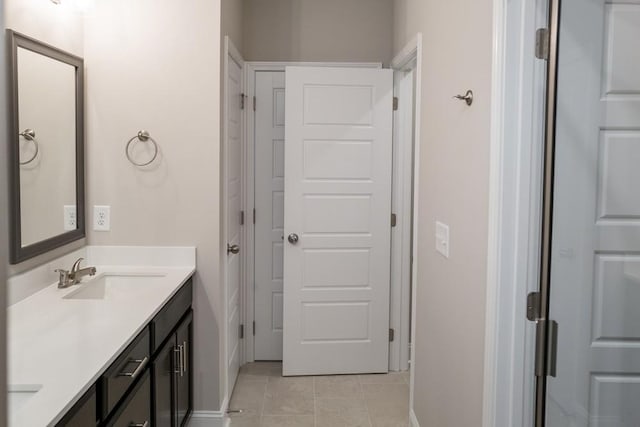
x=454 y=189
x=154 y=65
x=312 y=30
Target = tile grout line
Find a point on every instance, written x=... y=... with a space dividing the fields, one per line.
x=315 y=418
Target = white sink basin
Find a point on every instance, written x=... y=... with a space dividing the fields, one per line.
x=20 y=394
x=108 y=285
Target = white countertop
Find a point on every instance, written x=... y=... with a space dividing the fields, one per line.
x=64 y=345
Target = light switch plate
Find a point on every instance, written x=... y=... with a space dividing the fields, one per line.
x=102 y=218
x=442 y=238
x=70 y=218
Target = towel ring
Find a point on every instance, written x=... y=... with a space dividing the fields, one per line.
x=30 y=135
x=143 y=136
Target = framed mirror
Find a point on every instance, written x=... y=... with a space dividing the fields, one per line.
x=46 y=155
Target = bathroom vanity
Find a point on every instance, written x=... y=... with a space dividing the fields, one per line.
x=114 y=350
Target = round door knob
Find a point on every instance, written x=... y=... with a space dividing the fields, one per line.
x=233 y=249
x=293 y=238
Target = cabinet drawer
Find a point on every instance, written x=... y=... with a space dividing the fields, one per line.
x=124 y=371
x=83 y=413
x=136 y=409
x=170 y=315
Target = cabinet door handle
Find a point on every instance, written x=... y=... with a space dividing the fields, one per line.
x=144 y=424
x=177 y=356
x=141 y=364
x=184 y=355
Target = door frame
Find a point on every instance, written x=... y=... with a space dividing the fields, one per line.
x=515 y=202
x=410 y=57
x=401 y=306
x=230 y=52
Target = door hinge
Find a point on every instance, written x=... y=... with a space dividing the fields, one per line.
x=254 y=216
x=542 y=43
x=254 y=103
x=546 y=353
x=392 y=334
x=254 y=328
x=394 y=220
x=241 y=331
x=241 y=217
x=533 y=306
x=242 y=96
x=395 y=103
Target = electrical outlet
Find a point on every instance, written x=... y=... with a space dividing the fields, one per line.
x=102 y=218
x=442 y=239
x=70 y=217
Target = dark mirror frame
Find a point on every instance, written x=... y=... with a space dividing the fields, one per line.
x=17 y=252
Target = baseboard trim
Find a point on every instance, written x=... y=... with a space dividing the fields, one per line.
x=413 y=419
x=208 y=419
x=211 y=418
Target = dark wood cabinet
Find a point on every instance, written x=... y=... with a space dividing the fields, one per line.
x=173 y=377
x=151 y=381
x=135 y=410
x=83 y=413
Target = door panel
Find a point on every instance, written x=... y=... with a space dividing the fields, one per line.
x=163 y=373
x=595 y=267
x=269 y=201
x=233 y=195
x=338 y=201
x=184 y=381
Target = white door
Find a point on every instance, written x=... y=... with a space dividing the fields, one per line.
x=338 y=161
x=232 y=194
x=269 y=204
x=595 y=263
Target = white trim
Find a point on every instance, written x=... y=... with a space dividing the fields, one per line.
x=230 y=51
x=208 y=419
x=413 y=419
x=413 y=51
x=515 y=172
x=249 y=175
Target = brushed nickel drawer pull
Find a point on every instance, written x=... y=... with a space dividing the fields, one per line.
x=144 y=424
x=177 y=353
x=141 y=364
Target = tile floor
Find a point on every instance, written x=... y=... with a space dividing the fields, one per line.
x=269 y=400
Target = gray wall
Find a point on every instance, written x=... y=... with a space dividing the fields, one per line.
x=4 y=247
x=154 y=65
x=454 y=188
x=313 y=30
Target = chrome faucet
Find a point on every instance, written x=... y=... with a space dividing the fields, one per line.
x=69 y=278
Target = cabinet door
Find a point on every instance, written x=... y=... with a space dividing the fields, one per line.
x=136 y=409
x=184 y=378
x=164 y=367
x=83 y=413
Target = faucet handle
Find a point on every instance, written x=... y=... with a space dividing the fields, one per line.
x=63 y=278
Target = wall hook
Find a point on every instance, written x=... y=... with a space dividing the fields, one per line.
x=467 y=97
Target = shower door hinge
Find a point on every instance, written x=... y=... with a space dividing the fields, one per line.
x=542 y=43
x=241 y=331
x=241 y=217
x=254 y=103
x=392 y=334
x=395 y=103
x=242 y=96
x=394 y=220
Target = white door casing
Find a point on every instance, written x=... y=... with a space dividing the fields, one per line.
x=269 y=222
x=338 y=163
x=232 y=193
x=595 y=270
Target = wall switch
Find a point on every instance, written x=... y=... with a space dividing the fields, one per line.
x=70 y=217
x=102 y=218
x=442 y=239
